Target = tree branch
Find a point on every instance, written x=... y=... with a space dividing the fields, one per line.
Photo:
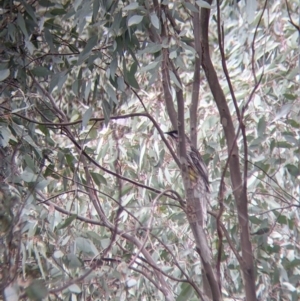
x=196 y=81
x=234 y=164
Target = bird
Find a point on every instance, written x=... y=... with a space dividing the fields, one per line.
x=198 y=174
x=196 y=165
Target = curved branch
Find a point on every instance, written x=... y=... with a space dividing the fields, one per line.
x=239 y=192
x=63 y=124
x=79 y=121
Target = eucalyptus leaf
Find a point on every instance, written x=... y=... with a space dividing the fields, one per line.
x=86 y=117
x=74 y=288
x=49 y=39
x=37 y=290
x=131 y=6
x=186 y=292
x=175 y=80
x=136 y=19
x=67 y=222
x=91 y=43
x=154 y=20
x=149 y=67
x=22 y=25
x=203 y=4
x=284 y=110
x=41 y=71
x=4 y=74
x=191 y=7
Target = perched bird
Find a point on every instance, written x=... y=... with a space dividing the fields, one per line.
x=196 y=165
x=197 y=172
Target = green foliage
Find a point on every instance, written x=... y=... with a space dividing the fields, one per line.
x=68 y=71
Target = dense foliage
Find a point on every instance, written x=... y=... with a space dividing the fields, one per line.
x=91 y=196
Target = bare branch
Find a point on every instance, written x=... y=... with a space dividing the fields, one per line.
x=234 y=164
x=196 y=80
